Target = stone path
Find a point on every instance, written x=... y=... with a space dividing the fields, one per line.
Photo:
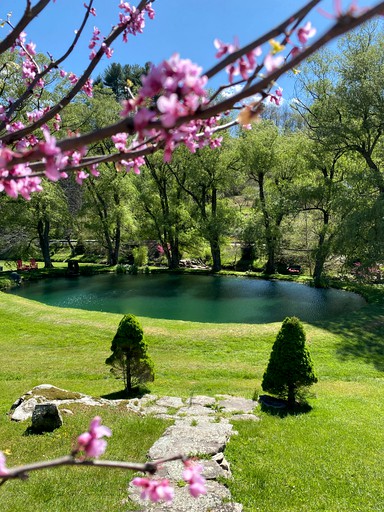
x=202 y=427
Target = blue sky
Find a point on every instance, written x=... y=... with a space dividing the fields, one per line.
x=184 y=26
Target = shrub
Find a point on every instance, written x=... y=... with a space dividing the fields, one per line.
x=140 y=255
x=129 y=359
x=290 y=366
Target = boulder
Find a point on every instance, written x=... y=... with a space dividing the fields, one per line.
x=46 y=418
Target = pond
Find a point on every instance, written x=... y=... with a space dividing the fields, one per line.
x=196 y=298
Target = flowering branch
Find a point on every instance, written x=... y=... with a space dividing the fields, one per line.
x=91 y=444
x=21 y=472
x=171 y=108
x=54 y=64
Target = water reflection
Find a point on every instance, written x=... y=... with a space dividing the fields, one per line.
x=195 y=298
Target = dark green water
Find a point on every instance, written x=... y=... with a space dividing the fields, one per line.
x=195 y=298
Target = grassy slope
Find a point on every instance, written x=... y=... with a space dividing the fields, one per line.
x=330 y=459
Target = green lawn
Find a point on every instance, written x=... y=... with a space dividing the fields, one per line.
x=329 y=459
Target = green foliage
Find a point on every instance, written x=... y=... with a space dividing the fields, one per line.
x=290 y=365
x=140 y=255
x=129 y=359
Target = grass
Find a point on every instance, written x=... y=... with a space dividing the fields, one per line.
x=329 y=459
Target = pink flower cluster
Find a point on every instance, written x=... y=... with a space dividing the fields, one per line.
x=244 y=66
x=91 y=442
x=154 y=490
x=160 y=490
x=192 y=475
x=133 y=20
x=179 y=88
x=17 y=180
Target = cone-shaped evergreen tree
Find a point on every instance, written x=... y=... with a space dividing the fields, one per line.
x=290 y=365
x=130 y=359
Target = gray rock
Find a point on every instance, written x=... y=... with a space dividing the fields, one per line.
x=196 y=410
x=154 y=409
x=237 y=404
x=24 y=411
x=24 y=406
x=245 y=417
x=212 y=470
x=170 y=401
x=201 y=400
x=46 y=418
x=209 y=438
x=222 y=461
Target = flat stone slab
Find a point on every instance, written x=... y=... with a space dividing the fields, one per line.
x=209 y=438
x=196 y=410
x=170 y=401
x=201 y=400
x=237 y=404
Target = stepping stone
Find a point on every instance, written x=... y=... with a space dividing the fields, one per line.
x=208 y=438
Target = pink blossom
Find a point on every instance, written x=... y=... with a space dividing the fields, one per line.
x=57 y=123
x=171 y=108
x=93 y=170
x=150 y=11
x=120 y=141
x=48 y=147
x=108 y=51
x=73 y=78
x=14 y=127
x=272 y=63
x=251 y=56
x=80 y=176
x=91 y=11
x=142 y=118
x=63 y=73
x=223 y=48
x=96 y=34
x=306 y=32
x=215 y=143
x=134 y=164
x=3 y=469
x=40 y=83
x=192 y=475
x=88 y=87
x=154 y=490
x=29 y=69
x=91 y=442
x=31 y=48
x=276 y=98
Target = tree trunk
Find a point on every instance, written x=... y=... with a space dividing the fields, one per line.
x=43 y=231
x=291 y=396
x=269 y=238
x=270 y=265
x=321 y=252
x=214 y=237
x=128 y=376
x=216 y=255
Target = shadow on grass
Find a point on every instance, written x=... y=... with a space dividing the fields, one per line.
x=361 y=336
x=279 y=407
x=136 y=392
